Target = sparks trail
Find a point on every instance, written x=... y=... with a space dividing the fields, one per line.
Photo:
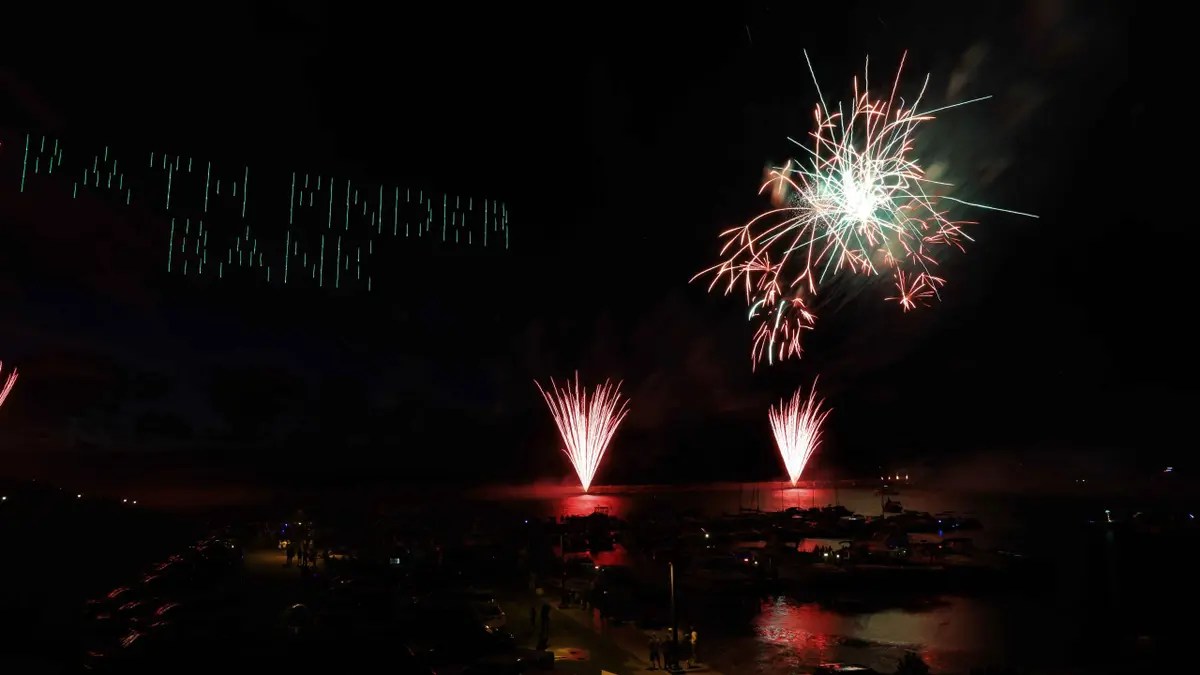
x=586 y=422
x=8 y=383
x=796 y=425
x=859 y=201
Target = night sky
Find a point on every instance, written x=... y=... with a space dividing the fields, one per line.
x=622 y=143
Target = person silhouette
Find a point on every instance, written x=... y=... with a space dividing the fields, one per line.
x=544 y=639
x=692 y=652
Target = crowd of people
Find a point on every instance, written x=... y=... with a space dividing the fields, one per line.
x=667 y=652
x=304 y=552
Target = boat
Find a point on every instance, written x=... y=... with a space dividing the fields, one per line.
x=720 y=573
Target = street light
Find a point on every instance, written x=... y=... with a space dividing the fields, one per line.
x=674 y=621
x=562 y=563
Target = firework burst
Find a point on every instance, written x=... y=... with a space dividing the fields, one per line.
x=796 y=425
x=586 y=422
x=8 y=383
x=859 y=202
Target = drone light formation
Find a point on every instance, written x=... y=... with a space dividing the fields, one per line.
x=586 y=422
x=796 y=425
x=858 y=201
x=8 y=383
x=334 y=232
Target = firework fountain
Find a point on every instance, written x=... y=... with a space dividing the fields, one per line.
x=586 y=422
x=796 y=425
x=8 y=383
x=859 y=201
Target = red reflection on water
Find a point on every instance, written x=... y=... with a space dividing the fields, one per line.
x=795 y=497
x=561 y=501
x=625 y=501
x=950 y=635
x=535 y=491
x=803 y=629
x=587 y=504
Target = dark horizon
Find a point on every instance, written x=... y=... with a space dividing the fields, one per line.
x=621 y=150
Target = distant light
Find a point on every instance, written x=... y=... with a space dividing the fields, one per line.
x=78 y=496
x=135 y=501
x=4 y=498
x=124 y=501
x=1169 y=469
x=905 y=476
